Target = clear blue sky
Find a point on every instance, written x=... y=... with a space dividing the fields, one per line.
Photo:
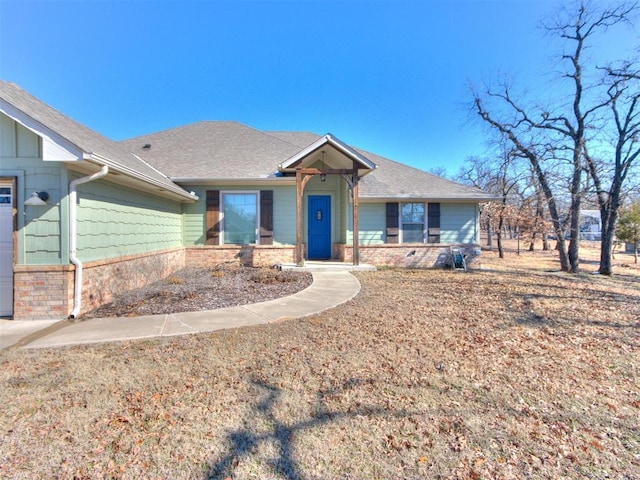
x=390 y=77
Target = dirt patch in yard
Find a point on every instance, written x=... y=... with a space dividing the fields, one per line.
x=196 y=289
x=516 y=371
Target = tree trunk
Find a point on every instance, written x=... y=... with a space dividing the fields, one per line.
x=499 y=229
x=606 y=254
x=609 y=217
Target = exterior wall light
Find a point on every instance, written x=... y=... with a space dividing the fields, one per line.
x=37 y=199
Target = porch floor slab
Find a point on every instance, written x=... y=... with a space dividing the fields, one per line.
x=327 y=266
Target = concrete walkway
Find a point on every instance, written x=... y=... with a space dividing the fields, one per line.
x=329 y=289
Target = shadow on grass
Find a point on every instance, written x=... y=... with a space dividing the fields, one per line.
x=244 y=442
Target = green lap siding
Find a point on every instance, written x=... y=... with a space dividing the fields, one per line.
x=115 y=221
x=40 y=238
x=284 y=213
x=371 y=223
x=458 y=223
x=284 y=216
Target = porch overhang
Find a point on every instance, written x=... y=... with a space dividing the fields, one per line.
x=333 y=154
x=327 y=156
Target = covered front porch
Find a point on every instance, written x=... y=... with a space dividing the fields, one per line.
x=334 y=170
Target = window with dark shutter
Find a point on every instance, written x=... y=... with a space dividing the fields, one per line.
x=212 y=218
x=393 y=229
x=266 y=217
x=433 y=222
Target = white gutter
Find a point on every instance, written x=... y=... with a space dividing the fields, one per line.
x=73 y=233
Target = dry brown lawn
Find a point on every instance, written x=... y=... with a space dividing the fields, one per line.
x=515 y=371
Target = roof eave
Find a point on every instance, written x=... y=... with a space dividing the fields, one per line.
x=169 y=187
x=234 y=181
x=425 y=198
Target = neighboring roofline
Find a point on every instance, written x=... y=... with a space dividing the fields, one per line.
x=333 y=141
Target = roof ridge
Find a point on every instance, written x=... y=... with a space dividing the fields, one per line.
x=269 y=133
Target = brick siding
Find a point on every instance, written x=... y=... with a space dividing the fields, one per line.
x=248 y=255
x=46 y=292
x=42 y=291
x=409 y=256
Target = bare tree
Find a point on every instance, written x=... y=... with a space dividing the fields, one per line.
x=609 y=177
x=498 y=175
x=557 y=133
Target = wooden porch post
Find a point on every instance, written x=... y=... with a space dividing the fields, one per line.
x=356 y=228
x=298 y=217
x=301 y=181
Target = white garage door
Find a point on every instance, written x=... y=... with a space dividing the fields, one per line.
x=6 y=250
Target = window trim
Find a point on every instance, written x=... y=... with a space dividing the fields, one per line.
x=401 y=223
x=256 y=193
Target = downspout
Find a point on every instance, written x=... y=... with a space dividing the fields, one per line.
x=73 y=233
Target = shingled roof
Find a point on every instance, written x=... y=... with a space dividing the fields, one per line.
x=210 y=151
x=213 y=151
x=94 y=146
x=393 y=180
x=218 y=151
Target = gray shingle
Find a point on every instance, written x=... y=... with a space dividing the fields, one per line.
x=393 y=179
x=213 y=150
x=84 y=138
x=230 y=150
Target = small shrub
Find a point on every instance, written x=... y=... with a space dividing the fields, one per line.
x=270 y=276
x=175 y=280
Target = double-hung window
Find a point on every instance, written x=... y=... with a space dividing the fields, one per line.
x=240 y=220
x=412 y=222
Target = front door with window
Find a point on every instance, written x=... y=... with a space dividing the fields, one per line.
x=6 y=249
x=319 y=234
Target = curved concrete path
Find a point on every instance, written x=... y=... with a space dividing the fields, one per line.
x=328 y=289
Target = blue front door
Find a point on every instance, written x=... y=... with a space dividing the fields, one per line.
x=319 y=234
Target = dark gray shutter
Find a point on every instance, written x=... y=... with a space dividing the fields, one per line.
x=433 y=214
x=212 y=218
x=266 y=217
x=393 y=225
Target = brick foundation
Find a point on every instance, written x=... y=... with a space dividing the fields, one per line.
x=42 y=292
x=103 y=280
x=248 y=256
x=46 y=291
x=408 y=255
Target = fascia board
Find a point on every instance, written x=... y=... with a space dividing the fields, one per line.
x=347 y=150
x=139 y=176
x=411 y=198
x=54 y=146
